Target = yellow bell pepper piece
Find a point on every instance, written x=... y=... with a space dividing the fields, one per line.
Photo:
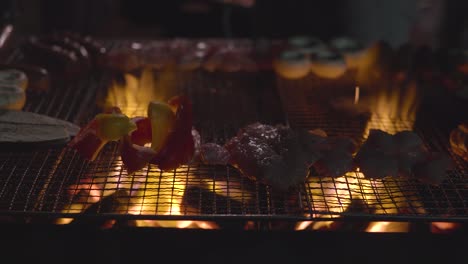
x=112 y=127
x=162 y=119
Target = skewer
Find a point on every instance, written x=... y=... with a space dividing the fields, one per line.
x=5 y=35
x=356 y=95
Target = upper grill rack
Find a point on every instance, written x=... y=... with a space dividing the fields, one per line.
x=57 y=183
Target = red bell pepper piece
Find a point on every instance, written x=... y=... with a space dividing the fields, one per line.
x=142 y=135
x=86 y=142
x=179 y=146
x=184 y=113
x=134 y=157
x=178 y=150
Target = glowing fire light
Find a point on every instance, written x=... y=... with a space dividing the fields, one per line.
x=356 y=95
x=134 y=95
x=162 y=194
x=149 y=191
x=392 y=110
x=152 y=192
x=336 y=196
x=380 y=227
x=444 y=227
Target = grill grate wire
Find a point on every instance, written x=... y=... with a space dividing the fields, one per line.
x=57 y=183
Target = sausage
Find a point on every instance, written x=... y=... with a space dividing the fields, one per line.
x=52 y=57
x=38 y=78
x=80 y=51
x=96 y=51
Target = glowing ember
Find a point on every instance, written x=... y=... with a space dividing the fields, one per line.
x=378 y=197
x=380 y=227
x=162 y=194
x=172 y=223
x=444 y=227
x=149 y=192
x=318 y=225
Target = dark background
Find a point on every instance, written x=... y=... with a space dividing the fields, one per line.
x=270 y=18
x=366 y=20
x=202 y=18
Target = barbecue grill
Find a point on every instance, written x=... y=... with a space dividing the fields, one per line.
x=55 y=184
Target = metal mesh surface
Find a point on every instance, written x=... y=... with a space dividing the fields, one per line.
x=308 y=104
x=57 y=183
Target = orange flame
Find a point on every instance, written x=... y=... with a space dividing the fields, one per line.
x=444 y=227
x=392 y=110
x=381 y=227
x=134 y=95
x=162 y=194
x=150 y=191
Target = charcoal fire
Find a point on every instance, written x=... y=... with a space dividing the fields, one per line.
x=149 y=192
x=220 y=186
x=392 y=110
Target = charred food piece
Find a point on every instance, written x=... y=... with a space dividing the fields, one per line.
x=96 y=50
x=274 y=155
x=54 y=58
x=77 y=48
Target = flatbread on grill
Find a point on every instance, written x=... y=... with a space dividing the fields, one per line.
x=21 y=127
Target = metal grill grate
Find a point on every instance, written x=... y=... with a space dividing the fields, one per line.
x=308 y=105
x=57 y=183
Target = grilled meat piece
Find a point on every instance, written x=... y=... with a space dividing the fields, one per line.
x=334 y=163
x=215 y=154
x=274 y=155
x=377 y=164
x=281 y=157
x=403 y=154
x=434 y=169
